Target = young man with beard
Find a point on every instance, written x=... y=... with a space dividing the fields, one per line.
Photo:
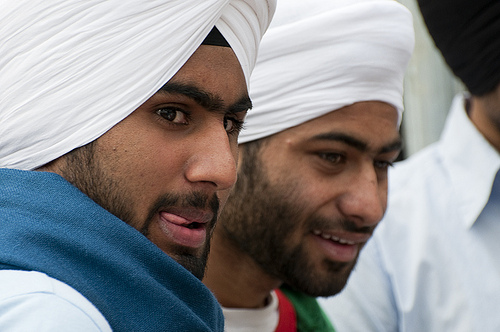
x=312 y=176
x=118 y=147
x=433 y=264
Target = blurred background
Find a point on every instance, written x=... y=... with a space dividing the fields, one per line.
x=429 y=89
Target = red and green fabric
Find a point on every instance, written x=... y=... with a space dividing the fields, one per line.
x=309 y=315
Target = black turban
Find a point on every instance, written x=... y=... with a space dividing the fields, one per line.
x=467 y=32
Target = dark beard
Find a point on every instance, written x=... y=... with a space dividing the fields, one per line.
x=82 y=169
x=195 y=264
x=260 y=217
x=84 y=172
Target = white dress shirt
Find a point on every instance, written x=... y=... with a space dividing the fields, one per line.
x=433 y=263
x=251 y=320
x=33 y=301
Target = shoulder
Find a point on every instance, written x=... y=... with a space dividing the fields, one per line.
x=420 y=188
x=419 y=169
x=32 y=301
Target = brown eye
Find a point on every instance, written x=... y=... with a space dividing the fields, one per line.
x=173 y=115
x=333 y=158
x=383 y=164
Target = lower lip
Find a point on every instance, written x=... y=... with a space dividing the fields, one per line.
x=336 y=251
x=180 y=235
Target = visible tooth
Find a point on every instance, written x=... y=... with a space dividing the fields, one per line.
x=326 y=236
x=332 y=238
x=342 y=241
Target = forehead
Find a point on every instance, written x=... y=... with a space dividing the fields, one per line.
x=214 y=70
x=373 y=122
x=212 y=58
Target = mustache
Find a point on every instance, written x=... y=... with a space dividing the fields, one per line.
x=194 y=199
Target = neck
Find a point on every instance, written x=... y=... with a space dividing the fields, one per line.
x=484 y=112
x=234 y=277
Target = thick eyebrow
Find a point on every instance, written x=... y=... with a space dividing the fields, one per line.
x=242 y=105
x=211 y=102
x=362 y=146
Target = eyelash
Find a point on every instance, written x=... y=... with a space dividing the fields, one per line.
x=328 y=157
x=234 y=130
x=237 y=125
x=386 y=164
x=381 y=164
x=162 y=113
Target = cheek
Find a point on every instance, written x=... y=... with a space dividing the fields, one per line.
x=315 y=187
x=161 y=170
x=145 y=163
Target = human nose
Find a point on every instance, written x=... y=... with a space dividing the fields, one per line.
x=213 y=159
x=365 y=199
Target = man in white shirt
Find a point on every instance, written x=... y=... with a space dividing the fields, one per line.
x=433 y=263
x=314 y=153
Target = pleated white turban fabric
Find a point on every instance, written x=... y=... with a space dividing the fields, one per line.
x=71 y=69
x=321 y=55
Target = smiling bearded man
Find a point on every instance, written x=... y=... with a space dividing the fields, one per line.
x=314 y=153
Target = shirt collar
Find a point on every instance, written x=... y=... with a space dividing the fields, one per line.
x=472 y=162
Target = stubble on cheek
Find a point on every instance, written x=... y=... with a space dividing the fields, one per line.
x=83 y=168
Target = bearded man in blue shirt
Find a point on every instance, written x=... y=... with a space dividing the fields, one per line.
x=118 y=146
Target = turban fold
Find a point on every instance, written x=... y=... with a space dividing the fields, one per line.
x=72 y=69
x=322 y=55
x=467 y=32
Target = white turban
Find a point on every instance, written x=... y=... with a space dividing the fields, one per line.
x=319 y=56
x=72 y=69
